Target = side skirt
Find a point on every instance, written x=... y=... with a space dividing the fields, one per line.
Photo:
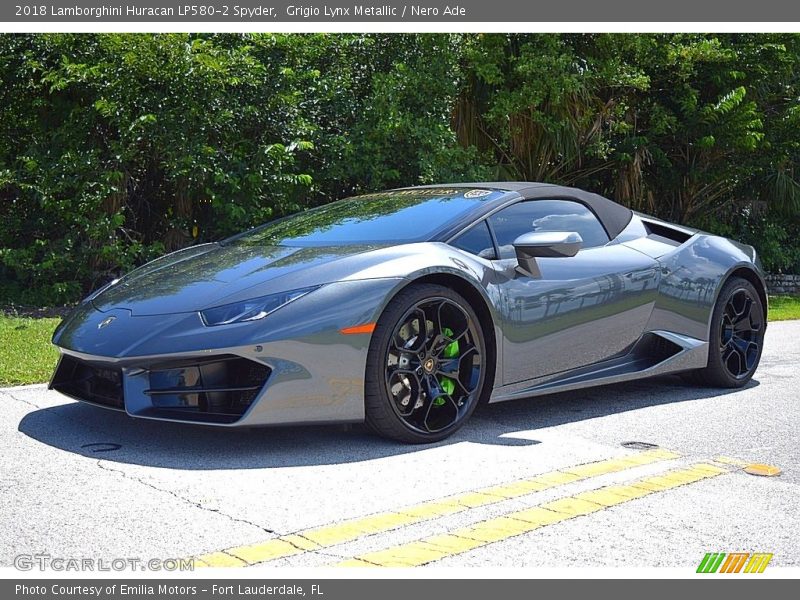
x=656 y=353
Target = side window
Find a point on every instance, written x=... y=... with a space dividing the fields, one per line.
x=545 y=215
x=476 y=240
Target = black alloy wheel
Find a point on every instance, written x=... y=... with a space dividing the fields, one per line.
x=737 y=336
x=430 y=351
x=740 y=333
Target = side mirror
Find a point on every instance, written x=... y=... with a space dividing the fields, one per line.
x=541 y=244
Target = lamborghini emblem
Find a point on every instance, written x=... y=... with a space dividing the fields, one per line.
x=105 y=322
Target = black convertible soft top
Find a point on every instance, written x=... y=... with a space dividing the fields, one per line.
x=613 y=216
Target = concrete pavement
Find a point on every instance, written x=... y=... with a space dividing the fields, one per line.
x=80 y=481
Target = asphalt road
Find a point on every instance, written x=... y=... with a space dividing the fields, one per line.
x=320 y=496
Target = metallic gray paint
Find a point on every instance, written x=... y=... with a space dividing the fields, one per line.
x=572 y=325
x=574 y=315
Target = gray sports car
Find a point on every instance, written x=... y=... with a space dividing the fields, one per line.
x=407 y=308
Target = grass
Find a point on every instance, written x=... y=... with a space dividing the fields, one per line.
x=783 y=308
x=27 y=356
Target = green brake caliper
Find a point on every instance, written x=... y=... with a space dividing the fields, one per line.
x=448 y=385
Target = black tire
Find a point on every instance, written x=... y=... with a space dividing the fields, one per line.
x=408 y=396
x=736 y=338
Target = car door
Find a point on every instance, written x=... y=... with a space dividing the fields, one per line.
x=576 y=310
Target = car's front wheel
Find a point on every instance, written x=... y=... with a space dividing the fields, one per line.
x=426 y=369
x=736 y=337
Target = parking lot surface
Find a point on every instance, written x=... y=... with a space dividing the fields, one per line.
x=540 y=482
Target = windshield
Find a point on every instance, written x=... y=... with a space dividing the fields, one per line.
x=398 y=217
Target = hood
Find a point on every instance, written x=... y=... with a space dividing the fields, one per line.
x=208 y=274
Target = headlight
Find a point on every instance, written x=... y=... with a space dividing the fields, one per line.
x=251 y=310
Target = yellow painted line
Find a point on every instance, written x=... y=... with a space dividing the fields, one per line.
x=713 y=469
x=574 y=507
x=592 y=469
x=220 y=559
x=539 y=516
x=495 y=529
x=653 y=485
x=407 y=555
x=339 y=533
x=352 y=529
x=727 y=460
x=453 y=544
x=603 y=497
x=301 y=542
x=629 y=492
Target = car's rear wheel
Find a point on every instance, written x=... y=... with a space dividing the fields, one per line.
x=736 y=337
x=426 y=369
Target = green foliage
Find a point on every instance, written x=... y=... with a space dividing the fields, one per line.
x=697 y=129
x=26 y=355
x=118 y=147
x=115 y=148
x=784 y=308
x=775 y=239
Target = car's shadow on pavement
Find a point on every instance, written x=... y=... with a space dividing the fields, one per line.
x=103 y=434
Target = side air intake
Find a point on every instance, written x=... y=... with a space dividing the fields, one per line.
x=665 y=233
x=84 y=381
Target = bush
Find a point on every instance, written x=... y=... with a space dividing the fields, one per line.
x=115 y=148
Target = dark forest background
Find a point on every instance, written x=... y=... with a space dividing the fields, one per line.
x=116 y=148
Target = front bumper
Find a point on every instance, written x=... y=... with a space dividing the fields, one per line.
x=292 y=367
x=214 y=390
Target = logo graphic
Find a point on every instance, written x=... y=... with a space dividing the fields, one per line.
x=734 y=562
x=476 y=193
x=105 y=322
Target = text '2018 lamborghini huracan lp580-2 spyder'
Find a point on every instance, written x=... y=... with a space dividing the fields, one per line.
x=407 y=308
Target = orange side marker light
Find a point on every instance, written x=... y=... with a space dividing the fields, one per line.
x=355 y=329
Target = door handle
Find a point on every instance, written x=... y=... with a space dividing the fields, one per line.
x=641 y=275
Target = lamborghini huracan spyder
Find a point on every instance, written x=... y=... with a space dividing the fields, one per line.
x=407 y=308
